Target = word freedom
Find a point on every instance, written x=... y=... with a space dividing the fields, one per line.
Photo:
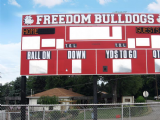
x=94 y=18
x=121 y=54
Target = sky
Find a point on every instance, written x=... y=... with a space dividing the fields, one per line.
x=11 y=12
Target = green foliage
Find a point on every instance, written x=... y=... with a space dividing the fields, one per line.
x=55 y=81
x=10 y=89
x=17 y=87
x=148 y=85
x=130 y=85
x=133 y=85
x=36 y=83
x=54 y=115
x=103 y=114
x=135 y=111
x=78 y=102
x=82 y=84
x=0 y=94
x=140 y=99
x=73 y=111
x=36 y=115
x=47 y=100
x=122 y=85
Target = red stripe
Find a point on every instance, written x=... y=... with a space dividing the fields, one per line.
x=110 y=31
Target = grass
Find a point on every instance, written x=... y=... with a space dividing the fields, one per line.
x=101 y=113
x=108 y=113
x=157 y=100
x=136 y=111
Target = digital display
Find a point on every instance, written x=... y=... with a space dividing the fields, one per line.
x=147 y=30
x=36 y=31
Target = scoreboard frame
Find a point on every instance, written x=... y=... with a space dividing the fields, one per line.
x=90 y=44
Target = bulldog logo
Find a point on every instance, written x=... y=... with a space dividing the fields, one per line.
x=28 y=20
x=158 y=19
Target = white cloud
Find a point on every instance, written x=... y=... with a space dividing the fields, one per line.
x=14 y=2
x=49 y=3
x=9 y=61
x=102 y=2
x=154 y=6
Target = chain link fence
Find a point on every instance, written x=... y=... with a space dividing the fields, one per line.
x=137 y=111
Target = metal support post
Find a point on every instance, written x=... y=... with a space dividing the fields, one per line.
x=28 y=112
x=23 y=97
x=95 y=97
x=43 y=113
x=122 y=111
x=156 y=86
x=129 y=112
x=84 y=114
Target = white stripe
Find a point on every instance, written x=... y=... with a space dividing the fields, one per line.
x=31 y=42
x=48 y=42
x=155 y=41
x=131 y=42
x=38 y=66
x=76 y=66
x=142 y=42
x=83 y=33
x=121 y=65
x=157 y=65
x=59 y=43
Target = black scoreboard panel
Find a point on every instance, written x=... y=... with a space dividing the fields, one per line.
x=148 y=30
x=37 y=31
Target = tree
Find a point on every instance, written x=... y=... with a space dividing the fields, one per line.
x=47 y=100
x=150 y=85
x=17 y=87
x=55 y=81
x=112 y=84
x=0 y=93
x=130 y=85
x=79 y=84
x=82 y=84
x=41 y=83
x=123 y=85
x=36 y=83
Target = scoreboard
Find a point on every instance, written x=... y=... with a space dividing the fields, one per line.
x=90 y=44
